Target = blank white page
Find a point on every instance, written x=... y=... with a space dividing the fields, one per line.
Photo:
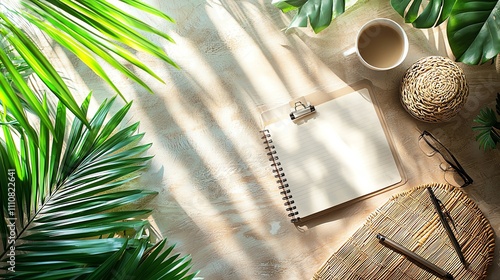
x=340 y=154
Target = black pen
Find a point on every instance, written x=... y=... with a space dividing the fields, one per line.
x=414 y=257
x=446 y=226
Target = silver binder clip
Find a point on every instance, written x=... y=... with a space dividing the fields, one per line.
x=300 y=109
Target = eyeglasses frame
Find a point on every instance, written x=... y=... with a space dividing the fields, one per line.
x=455 y=165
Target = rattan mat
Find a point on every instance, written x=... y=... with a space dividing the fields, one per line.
x=410 y=219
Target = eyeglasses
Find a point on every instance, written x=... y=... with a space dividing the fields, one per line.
x=454 y=173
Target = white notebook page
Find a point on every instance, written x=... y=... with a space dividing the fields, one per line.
x=340 y=154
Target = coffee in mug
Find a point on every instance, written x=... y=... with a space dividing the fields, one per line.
x=381 y=44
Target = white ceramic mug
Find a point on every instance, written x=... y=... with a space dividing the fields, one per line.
x=381 y=44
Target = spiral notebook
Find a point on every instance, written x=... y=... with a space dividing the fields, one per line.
x=339 y=152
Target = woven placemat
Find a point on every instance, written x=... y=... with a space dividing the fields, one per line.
x=410 y=219
x=434 y=89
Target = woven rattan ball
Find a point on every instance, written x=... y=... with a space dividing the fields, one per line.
x=434 y=89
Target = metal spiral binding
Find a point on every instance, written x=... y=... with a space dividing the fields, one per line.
x=279 y=174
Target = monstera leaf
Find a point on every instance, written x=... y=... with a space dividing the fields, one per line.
x=474 y=30
x=434 y=13
x=473 y=26
x=319 y=13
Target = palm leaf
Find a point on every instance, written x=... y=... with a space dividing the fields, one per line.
x=170 y=267
x=104 y=271
x=8 y=167
x=12 y=105
x=130 y=262
x=22 y=68
x=67 y=199
x=92 y=30
x=81 y=42
x=98 y=28
x=144 y=263
x=488 y=127
x=40 y=65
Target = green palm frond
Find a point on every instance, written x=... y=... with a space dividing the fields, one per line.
x=143 y=263
x=22 y=68
x=94 y=31
x=36 y=60
x=488 y=128
x=63 y=200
